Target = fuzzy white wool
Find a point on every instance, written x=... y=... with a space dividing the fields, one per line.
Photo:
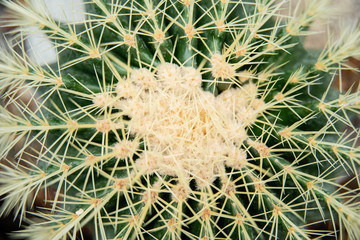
x=186 y=129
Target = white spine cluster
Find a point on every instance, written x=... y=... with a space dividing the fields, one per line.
x=186 y=129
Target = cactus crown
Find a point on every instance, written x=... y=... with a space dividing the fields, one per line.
x=179 y=119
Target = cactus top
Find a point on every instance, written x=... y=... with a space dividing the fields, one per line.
x=179 y=119
x=187 y=131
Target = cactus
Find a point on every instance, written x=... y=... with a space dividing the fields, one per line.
x=179 y=119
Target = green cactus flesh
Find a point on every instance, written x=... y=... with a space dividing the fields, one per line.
x=171 y=119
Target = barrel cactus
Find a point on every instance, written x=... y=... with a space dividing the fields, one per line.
x=179 y=119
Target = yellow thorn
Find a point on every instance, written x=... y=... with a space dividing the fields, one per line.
x=321 y=67
x=259 y=185
x=220 y=26
x=288 y=169
x=129 y=39
x=133 y=220
x=279 y=96
x=95 y=202
x=276 y=210
x=172 y=224
x=94 y=53
x=206 y=214
x=262 y=149
x=101 y=100
x=311 y=141
x=111 y=18
x=186 y=2
x=120 y=184
x=239 y=219
x=159 y=35
x=90 y=159
x=310 y=185
x=189 y=31
x=59 y=81
x=240 y=51
x=43 y=174
x=245 y=76
x=334 y=149
x=180 y=193
x=285 y=133
x=104 y=126
x=65 y=167
x=220 y=68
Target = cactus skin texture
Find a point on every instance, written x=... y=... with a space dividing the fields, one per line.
x=180 y=119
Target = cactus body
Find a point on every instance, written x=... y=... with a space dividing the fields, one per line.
x=171 y=119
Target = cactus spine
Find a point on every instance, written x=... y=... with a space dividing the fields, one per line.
x=169 y=119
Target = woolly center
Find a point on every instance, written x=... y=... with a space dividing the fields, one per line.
x=187 y=131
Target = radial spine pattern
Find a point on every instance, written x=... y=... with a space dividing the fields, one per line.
x=179 y=119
